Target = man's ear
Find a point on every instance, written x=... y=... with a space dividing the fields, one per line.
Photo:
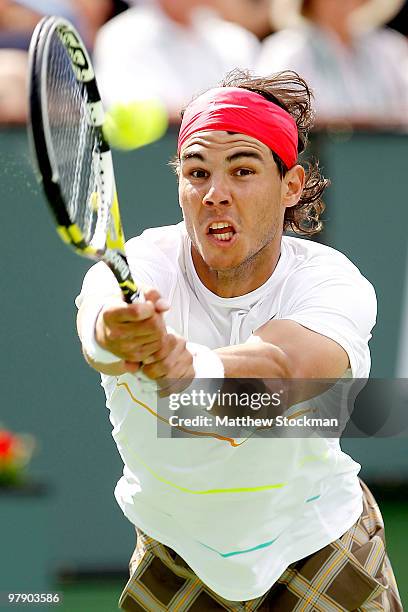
x=292 y=186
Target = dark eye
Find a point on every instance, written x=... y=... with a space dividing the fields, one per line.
x=199 y=174
x=243 y=172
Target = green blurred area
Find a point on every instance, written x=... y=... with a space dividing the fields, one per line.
x=395 y=516
x=95 y=596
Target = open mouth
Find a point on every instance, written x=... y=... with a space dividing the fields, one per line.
x=222 y=231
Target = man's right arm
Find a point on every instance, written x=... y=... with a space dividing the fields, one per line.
x=131 y=333
x=117 y=368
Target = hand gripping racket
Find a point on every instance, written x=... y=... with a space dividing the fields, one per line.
x=73 y=158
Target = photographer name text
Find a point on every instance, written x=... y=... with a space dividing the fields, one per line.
x=248 y=421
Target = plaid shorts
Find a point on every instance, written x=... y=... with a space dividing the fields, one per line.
x=352 y=573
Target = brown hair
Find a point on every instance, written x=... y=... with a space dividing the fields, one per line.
x=289 y=91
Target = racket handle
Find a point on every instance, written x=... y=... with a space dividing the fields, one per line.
x=133 y=297
x=117 y=262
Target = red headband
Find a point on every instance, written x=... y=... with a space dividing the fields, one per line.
x=235 y=109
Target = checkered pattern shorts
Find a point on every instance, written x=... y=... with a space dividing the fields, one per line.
x=352 y=573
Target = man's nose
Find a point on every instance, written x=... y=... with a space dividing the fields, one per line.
x=217 y=194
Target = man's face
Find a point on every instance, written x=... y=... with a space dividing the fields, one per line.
x=231 y=180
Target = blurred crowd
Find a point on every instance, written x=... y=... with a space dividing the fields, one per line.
x=174 y=49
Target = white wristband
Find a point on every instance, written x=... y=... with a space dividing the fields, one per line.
x=206 y=363
x=254 y=339
x=89 y=343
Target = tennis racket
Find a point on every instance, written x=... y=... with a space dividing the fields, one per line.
x=72 y=158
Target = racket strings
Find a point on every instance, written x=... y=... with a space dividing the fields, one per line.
x=76 y=146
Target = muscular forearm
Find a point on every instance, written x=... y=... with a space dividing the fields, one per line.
x=121 y=338
x=116 y=368
x=258 y=360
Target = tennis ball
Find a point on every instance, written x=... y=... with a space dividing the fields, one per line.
x=133 y=125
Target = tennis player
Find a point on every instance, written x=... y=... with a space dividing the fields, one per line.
x=268 y=524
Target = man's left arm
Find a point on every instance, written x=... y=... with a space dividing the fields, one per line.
x=279 y=349
x=323 y=331
x=285 y=349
